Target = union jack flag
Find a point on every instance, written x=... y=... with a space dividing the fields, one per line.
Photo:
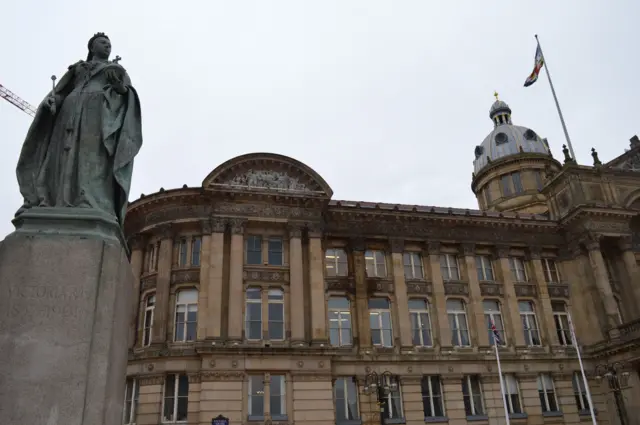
x=496 y=334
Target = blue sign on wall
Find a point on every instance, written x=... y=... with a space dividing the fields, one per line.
x=220 y=420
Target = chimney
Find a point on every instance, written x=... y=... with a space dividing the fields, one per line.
x=634 y=141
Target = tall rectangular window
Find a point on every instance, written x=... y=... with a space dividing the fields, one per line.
x=492 y=314
x=176 y=398
x=340 y=321
x=420 y=323
x=276 y=314
x=517 y=182
x=550 y=270
x=472 y=395
x=449 y=267
x=275 y=252
x=253 y=314
x=529 y=323
x=254 y=249
x=186 y=315
x=484 y=268
x=196 y=247
x=412 y=265
x=538 y=178
x=256 y=397
x=458 y=322
x=512 y=394
x=182 y=252
x=505 y=184
x=375 y=263
x=561 y=320
x=432 y=403
x=380 y=320
x=518 y=269
x=346 y=398
x=130 y=401
x=580 y=391
x=392 y=408
x=547 y=393
x=147 y=326
x=335 y=262
x=277 y=397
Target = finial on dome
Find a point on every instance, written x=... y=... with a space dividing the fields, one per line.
x=495 y=94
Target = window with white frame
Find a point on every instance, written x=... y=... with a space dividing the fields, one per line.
x=518 y=269
x=275 y=251
x=512 y=393
x=493 y=314
x=619 y=309
x=253 y=249
x=432 y=402
x=147 y=325
x=196 y=248
x=151 y=260
x=561 y=319
x=457 y=314
x=472 y=395
x=376 y=263
x=336 y=262
x=420 y=323
x=529 y=323
x=392 y=407
x=449 y=267
x=412 y=265
x=580 y=391
x=130 y=401
x=277 y=397
x=275 y=299
x=186 y=324
x=253 y=314
x=340 y=322
x=176 y=398
x=345 y=393
x=380 y=320
x=547 y=393
x=256 y=397
x=182 y=252
x=550 y=270
x=484 y=268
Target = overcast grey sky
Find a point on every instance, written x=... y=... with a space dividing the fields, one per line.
x=385 y=99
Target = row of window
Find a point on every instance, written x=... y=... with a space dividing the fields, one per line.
x=270 y=390
x=511 y=184
x=267 y=306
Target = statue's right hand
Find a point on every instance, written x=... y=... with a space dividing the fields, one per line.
x=50 y=103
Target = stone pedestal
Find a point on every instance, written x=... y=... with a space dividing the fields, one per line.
x=64 y=313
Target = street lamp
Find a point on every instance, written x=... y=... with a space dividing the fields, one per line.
x=381 y=385
x=617 y=379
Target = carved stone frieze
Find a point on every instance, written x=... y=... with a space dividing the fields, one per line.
x=346 y=284
x=295 y=230
x=379 y=285
x=525 y=289
x=491 y=289
x=185 y=276
x=205 y=226
x=237 y=225
x=254 y=274
x=208 y=376
x=607 y=226
x=267 y=179
x=456 y=288
x=194 y=378
x=557 y=290
x=307 y=377
x=146 y=380
x=148 y=282
x=266 y=210
x=173 y=213
x=632 y=163
x=419 y=287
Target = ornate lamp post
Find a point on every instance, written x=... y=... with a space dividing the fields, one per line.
x=381 y=385
x=617 y=379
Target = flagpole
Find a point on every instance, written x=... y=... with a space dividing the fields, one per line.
x=504 y=398
x=555 y=98
x=584 y=375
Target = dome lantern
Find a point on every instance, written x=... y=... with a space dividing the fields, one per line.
x=500 y=113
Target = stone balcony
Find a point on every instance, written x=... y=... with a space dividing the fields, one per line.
x=624 y=338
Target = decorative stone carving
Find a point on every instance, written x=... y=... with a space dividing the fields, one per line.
x=268 y=179
x=234 y=364
x=237 y=225
x=502 y=251
x=218 y=224
x=468 y=249
x=194 y=378
x=525 y=289
x=257 y=275
x=266 y=210
x=491 y=289
x=138 y=242
x=341 y=284
x=419 y=288
x=295 y=230
x=630 y=164
x=221 y=376
x=397 y=245
x=558 y=290
x=185 y=276
x=534 y=252
x=377 y=285
x=145 y=380
x=433 y=247
x=592 y=241
x=625 y=243
x=456 y=288
x=212 y=363
x=148 y=282
x=165 y=231
x=607 y=226
x=205 y=226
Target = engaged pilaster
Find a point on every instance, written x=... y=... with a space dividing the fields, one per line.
x=235 y=279
x=316 y=283
x=477 y=325
x=215 y=279
x=516 y=334
x=296 y=284
x=631 y=266
x=136 y=245
x=602 y=281
x=400 y=288
x=547 y=323
x=163 y=281
x=439 y=296
x=357 y=247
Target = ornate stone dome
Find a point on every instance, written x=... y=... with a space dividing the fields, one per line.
x=506 y=139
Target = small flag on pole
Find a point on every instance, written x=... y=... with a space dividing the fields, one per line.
x=536 y=68
x=496 y=334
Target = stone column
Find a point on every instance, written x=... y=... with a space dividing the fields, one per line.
x=513 y=324
x=402 y=323
x=439 y=296
x=236 y=271
x=215 y=278
x=163 y=282
x=317 y=292
x=602 y=281
x=631 y=267
x=296 y=285
x=137 y=244
x=204 y=312
x=476 y=323
x=362 y=297
x=545 y=316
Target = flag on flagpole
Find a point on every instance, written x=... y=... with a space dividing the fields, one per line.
x=539 y=62
x=496 y=334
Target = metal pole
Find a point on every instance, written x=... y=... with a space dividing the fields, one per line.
x=555 y=98
x=622 y=411
x=584 y=375
x=504 y=398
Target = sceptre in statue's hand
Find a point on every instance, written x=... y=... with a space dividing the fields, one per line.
x=51 y=100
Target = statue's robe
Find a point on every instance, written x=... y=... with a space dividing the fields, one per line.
x=82 y=156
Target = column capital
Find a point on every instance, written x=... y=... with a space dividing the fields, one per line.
x=237 y=225
x=397 y=245
x=357 y=244
x=433 y=247
x=205 y=226
x=625 y=242
x=314 y=229
x=534 y=252
x=218 y=224
x=468 y=248
x=165 y=231
x=295 y=230
x=592 y=241
x=137 y=241
x=502 y=251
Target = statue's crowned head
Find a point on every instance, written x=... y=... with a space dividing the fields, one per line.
x=99 y=45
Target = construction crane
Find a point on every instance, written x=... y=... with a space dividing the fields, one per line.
x=16 y=101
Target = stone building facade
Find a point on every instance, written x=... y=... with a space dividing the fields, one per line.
x=263 y=299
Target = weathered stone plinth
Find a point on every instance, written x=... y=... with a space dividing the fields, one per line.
x=64 y=314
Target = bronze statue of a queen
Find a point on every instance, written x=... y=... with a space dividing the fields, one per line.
x=80 y=147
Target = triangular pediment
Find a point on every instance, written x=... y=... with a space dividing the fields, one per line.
x=267 y=173
x=628 y=161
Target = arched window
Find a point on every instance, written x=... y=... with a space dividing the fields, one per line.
x=186 y=323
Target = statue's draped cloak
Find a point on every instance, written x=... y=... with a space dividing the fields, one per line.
x=83 y=155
